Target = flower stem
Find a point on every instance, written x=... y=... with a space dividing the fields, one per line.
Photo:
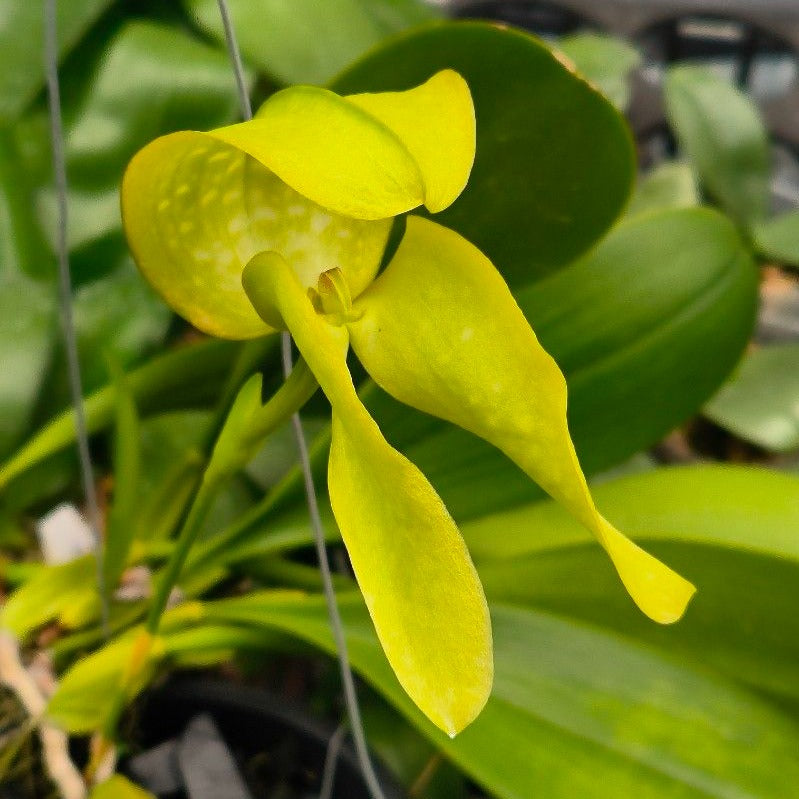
x=237 y=442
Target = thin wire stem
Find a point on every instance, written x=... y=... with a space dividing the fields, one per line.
x=235 y=57
x=65 y=298
x=348 y=682
x=331 y=761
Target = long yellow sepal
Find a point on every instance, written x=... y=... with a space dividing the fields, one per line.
x=440 y=330
x=410 y=560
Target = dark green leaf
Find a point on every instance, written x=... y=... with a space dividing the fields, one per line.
x=761 y=401
x=721 y=132
x=605 y=60
x=538 y=195
x=778 y=238
x=730 y=530
x=305 y=41
x=576 y=711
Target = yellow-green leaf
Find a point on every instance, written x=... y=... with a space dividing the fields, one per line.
x=440 y=330
x=412 y=565
x=86 y=694
x=65 y=592
x=435 y=121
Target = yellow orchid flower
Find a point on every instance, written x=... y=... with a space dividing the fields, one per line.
x=281 y=223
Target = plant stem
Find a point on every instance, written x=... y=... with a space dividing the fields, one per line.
x=235 y=445
x=203 y=499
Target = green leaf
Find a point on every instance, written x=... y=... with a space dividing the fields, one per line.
x=730 y=530
x=118 y=315
x=65 y=592
x=304 y=41
x=606 y=61
x=760 y=403
x=172 y=456
x=152 y=79
x=623 y=324
x=576 y=711
x=22 y=46
x=85 y=696
x=185 y=377
x=723 y=135
x=670 y=185
x=121 y=519
x=534 y=200
x=27 y=307
x=778 y=238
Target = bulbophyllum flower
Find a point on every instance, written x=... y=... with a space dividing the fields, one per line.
x=281 y=223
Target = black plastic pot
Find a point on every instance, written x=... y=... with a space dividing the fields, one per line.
x=276 y=747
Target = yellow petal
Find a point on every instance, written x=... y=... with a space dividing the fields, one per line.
x=440 y=330
x=435 y=121
x=332 y=152
x=195 y=210
x=411 y=562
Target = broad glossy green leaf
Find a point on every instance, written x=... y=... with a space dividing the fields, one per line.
x=731 y=530
x=534 y=200
x=778 y=238
x=576 y=711
x=722 y=134
x=760 y=403
x=606 y=61
x=22 y=46
x=27 y=307
x=624 y=324
x=670 y=185
x=305 y=41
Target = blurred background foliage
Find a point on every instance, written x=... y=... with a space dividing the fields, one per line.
x=668 y=300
